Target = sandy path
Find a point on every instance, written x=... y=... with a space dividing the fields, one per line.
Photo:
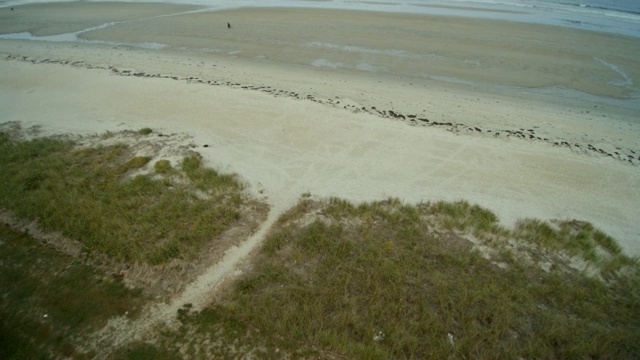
x=120 y=331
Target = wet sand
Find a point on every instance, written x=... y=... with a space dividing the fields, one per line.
x=268 y=109
x=481 y=51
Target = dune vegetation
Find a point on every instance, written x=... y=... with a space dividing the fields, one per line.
x=388 y=280
x=100 y=197
x=332 y=279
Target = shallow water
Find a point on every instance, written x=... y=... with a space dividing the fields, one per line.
x=613 y=16
x=401 y=57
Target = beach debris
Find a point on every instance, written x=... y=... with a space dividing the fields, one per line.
x=378 y=336
x=522 y=133
x=450 y=337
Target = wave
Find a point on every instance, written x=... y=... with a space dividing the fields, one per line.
x=613 y=16
x=605 y=8
x=618 y=6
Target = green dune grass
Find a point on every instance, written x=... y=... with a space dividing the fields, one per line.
x=333 y=279
x=388 y=280
x=91 y=195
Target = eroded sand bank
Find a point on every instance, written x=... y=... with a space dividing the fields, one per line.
x=288 y=127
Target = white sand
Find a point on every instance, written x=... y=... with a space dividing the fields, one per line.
x=287 y=146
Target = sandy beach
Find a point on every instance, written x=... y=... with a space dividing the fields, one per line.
x=542 y=123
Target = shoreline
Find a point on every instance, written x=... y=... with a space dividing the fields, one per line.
x=592 y=128
x=471 y=52
x=289 y=128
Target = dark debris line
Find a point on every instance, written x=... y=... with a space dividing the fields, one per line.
x=412 y=119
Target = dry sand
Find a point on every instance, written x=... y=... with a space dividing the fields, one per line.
x=287 y=127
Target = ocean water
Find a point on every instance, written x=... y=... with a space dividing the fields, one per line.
x=628 y=6
x=614 y=16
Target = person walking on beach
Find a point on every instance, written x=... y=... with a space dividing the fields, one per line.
x=228 y=25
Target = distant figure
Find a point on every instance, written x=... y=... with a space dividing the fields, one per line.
x=228 y=26
x=11 y=9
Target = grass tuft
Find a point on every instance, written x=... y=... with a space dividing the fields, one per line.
x=538 y=232
x=206 y=178
x=137 y=162
x=163 y=166
x=578 y=239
